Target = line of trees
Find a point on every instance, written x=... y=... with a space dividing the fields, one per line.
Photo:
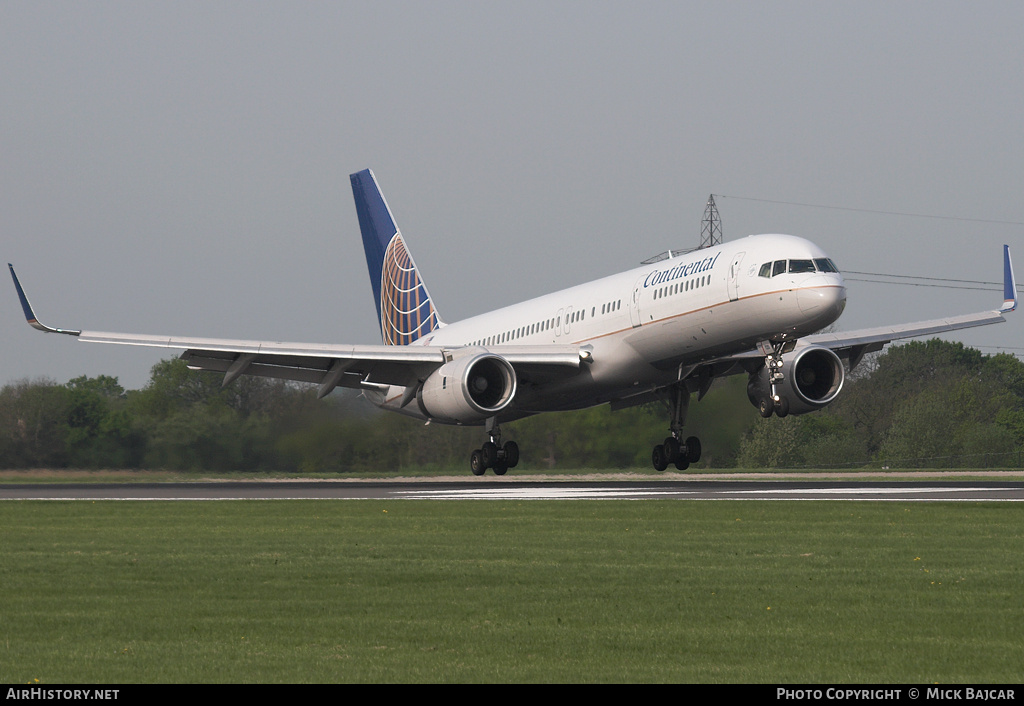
x=930 y=404
x=923 y=404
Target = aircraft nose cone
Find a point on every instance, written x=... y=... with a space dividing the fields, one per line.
x=839 y=299
x=820 y=295
x=813 y=295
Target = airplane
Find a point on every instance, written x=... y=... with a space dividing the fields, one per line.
x=663 y=331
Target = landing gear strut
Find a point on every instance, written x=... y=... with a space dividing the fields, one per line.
x=674 y=450
x=774 y=403
x=492 y=454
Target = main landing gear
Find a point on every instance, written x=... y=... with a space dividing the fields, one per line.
x=674 y=450
x=493 y=455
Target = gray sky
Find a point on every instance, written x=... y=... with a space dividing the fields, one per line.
x=182 y=168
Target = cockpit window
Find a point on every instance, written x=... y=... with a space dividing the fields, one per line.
x=779 y=267
x=824 y=264
x=800 y=266
x=766 y=270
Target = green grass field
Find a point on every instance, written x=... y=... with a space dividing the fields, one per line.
x=525 y=591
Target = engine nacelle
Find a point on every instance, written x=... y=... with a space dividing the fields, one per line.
x=813 y=377
x=468 y=390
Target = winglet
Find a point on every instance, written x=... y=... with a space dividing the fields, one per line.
x=29 y=314
x=1009 y=285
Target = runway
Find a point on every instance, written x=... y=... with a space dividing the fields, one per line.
x=507 y=489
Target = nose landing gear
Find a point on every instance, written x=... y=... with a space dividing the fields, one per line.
x=774 y=403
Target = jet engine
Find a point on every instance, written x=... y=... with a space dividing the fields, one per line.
x=468 y=390
x=812 y=378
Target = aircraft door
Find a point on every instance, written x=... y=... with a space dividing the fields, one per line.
x=558 y=322
x=734 y=276
x=634 y=303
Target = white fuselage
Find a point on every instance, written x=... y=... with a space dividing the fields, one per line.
x=643 y=324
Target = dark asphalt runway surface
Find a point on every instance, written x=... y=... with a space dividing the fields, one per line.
x=507 y=489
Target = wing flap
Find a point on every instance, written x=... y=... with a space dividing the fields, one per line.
x=209 y=360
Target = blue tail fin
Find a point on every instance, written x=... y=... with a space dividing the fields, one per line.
x=404 y=307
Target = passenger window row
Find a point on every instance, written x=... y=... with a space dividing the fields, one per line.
x=546 y=325
x=682 y=287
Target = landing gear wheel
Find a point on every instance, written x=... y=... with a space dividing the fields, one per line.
x=511 y=449
x=693 y=449
x=500 y=467
x=476 y=463
x=658 y=458
x=682 y=463
x=766 y=407
x=671 y=447
x=490 y=454
x=782 y=407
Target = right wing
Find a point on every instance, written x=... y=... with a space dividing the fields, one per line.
x=324 y=364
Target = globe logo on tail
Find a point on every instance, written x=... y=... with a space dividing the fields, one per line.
x=406 y=312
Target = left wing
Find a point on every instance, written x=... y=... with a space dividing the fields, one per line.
x=323 y=364
x=854 y=344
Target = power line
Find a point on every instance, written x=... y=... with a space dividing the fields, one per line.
x=936 y=279
x=871 y=210
x=922 y=284
x=990 y=286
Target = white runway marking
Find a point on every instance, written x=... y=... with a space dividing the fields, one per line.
x=533 y=493
x=865 y=491
x=599 y=493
